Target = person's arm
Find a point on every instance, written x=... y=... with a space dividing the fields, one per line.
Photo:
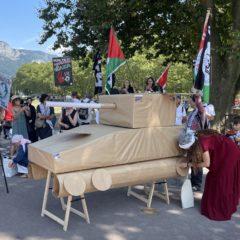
x=209 y=116
x=206 y=160
x=205 y=163
x=73 y=120
x=13 y=150
x=39 y=114
x=237 y=137
x=51 y=115
x=33 y=113
x=3 y=113
x=199 y=105
x=61 y=124
x=27 y=111
x=20 y=155
x=210 y=112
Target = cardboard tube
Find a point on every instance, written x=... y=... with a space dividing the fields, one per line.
x=101 y=180
x=123 y=175
x=81 y=105
x=74 y=184
x=181 y=171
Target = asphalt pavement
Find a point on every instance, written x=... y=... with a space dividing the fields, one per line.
x=113 y=216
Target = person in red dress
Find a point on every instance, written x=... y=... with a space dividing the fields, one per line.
x=221 y=156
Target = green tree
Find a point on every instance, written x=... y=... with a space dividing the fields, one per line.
x=172 y=28
x=36 y=78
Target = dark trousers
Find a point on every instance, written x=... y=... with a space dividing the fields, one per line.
x=196 y=178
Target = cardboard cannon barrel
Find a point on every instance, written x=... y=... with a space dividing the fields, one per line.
x=96 y=146
x=102 y=179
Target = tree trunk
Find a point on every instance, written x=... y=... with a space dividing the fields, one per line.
x=225 y=70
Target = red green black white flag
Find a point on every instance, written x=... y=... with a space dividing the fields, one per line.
x=202 y=68
x=115 y=58
x=162 y=80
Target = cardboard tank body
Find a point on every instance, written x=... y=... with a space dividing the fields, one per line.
x=136 y=142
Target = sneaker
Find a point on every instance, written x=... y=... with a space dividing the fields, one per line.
x=23 y=175
x=196 y=189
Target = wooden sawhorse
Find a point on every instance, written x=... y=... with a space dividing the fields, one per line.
x=148 y=199
x=66 y=207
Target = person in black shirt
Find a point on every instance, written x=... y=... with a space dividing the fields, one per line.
x=68 y=118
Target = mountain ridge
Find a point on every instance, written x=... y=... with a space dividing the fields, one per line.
x=11 y=59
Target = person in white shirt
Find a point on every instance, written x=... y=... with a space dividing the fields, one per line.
x=181 y=115
x=209 y=113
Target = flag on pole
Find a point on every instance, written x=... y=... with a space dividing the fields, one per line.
x=202 y=68
x=115 y=58
x=162 y=80
x=98 y=72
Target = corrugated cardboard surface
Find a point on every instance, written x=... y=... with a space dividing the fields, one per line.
x=139 y=110
x=95 y=146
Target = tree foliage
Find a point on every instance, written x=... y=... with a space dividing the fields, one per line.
x=36 y=78
x=172 y=28
x=166 y=26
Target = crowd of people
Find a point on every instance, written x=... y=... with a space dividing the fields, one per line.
x=23 y=124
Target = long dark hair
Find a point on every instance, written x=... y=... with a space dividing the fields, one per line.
x=153 y=82
x=43 y=97
x=195 y=152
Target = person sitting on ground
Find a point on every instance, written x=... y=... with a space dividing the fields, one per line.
x=68 y=118
x=221 y=156
x=20 y=146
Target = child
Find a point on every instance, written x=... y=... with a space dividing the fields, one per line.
x=235 y=133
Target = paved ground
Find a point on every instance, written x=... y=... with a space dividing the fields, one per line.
x=113 y=215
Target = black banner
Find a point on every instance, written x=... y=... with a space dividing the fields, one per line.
x=62 y=69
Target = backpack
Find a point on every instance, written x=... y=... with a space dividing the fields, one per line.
x=83 y=112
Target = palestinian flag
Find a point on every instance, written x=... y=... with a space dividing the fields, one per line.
x=115 y=58
x=162 y=80
x=202 y=68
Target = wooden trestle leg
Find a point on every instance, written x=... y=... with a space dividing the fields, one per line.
x=66 y=207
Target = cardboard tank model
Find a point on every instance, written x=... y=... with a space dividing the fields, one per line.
x=135 y=143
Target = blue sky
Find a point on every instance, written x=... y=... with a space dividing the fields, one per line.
x=20 y=26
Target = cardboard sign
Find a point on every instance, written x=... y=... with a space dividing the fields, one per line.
x=62 y=69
